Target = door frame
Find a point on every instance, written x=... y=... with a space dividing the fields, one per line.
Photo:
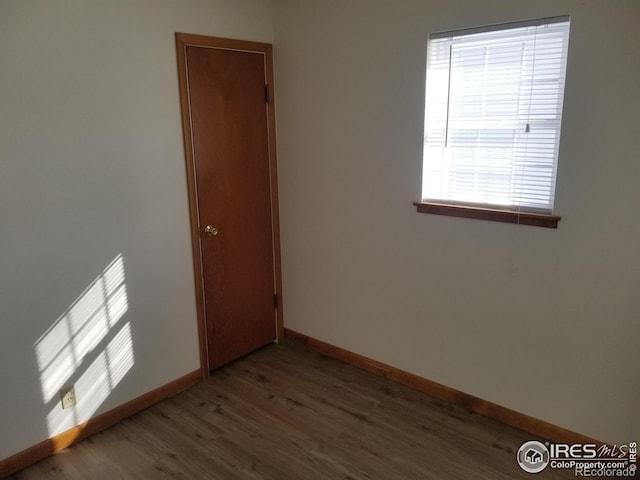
x=183 y=40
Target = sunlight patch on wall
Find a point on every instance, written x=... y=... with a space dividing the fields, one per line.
x=89 y=346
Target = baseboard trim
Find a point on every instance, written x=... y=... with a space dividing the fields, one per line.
x=488 y=409
x=54 y=444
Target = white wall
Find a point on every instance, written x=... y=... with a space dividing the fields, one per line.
x=543 y=321
x=92 y=167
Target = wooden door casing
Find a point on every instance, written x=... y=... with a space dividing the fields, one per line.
x=231 y=170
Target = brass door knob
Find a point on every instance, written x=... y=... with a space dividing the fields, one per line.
x=210 y=231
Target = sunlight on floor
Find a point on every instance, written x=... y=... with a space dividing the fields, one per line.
x=89 y=346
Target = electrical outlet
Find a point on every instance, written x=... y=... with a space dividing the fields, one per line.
x=68 y=396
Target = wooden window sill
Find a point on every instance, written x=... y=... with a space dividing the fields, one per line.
x=491 y=214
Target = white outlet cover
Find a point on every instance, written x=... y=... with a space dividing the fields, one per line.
x=68 y=396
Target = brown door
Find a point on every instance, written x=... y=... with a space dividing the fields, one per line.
x=230 y=146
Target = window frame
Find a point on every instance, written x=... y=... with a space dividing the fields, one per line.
x=513 y=213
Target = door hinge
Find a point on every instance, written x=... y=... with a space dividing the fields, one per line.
x=266 y=93
x=275 y=300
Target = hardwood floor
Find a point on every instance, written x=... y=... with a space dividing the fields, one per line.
x=284 y=412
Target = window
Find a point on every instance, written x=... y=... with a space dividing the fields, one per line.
x=493 y=112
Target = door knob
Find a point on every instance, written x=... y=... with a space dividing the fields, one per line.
x=210 y=231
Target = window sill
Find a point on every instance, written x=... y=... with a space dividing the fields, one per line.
x=491 y=214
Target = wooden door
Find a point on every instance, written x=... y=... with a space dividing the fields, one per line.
x=229 y=122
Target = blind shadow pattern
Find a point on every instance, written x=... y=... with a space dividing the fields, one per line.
x=88 y=346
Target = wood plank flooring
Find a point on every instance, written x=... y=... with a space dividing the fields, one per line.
x=285 y=412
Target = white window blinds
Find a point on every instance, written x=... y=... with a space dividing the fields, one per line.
x=493 y=113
